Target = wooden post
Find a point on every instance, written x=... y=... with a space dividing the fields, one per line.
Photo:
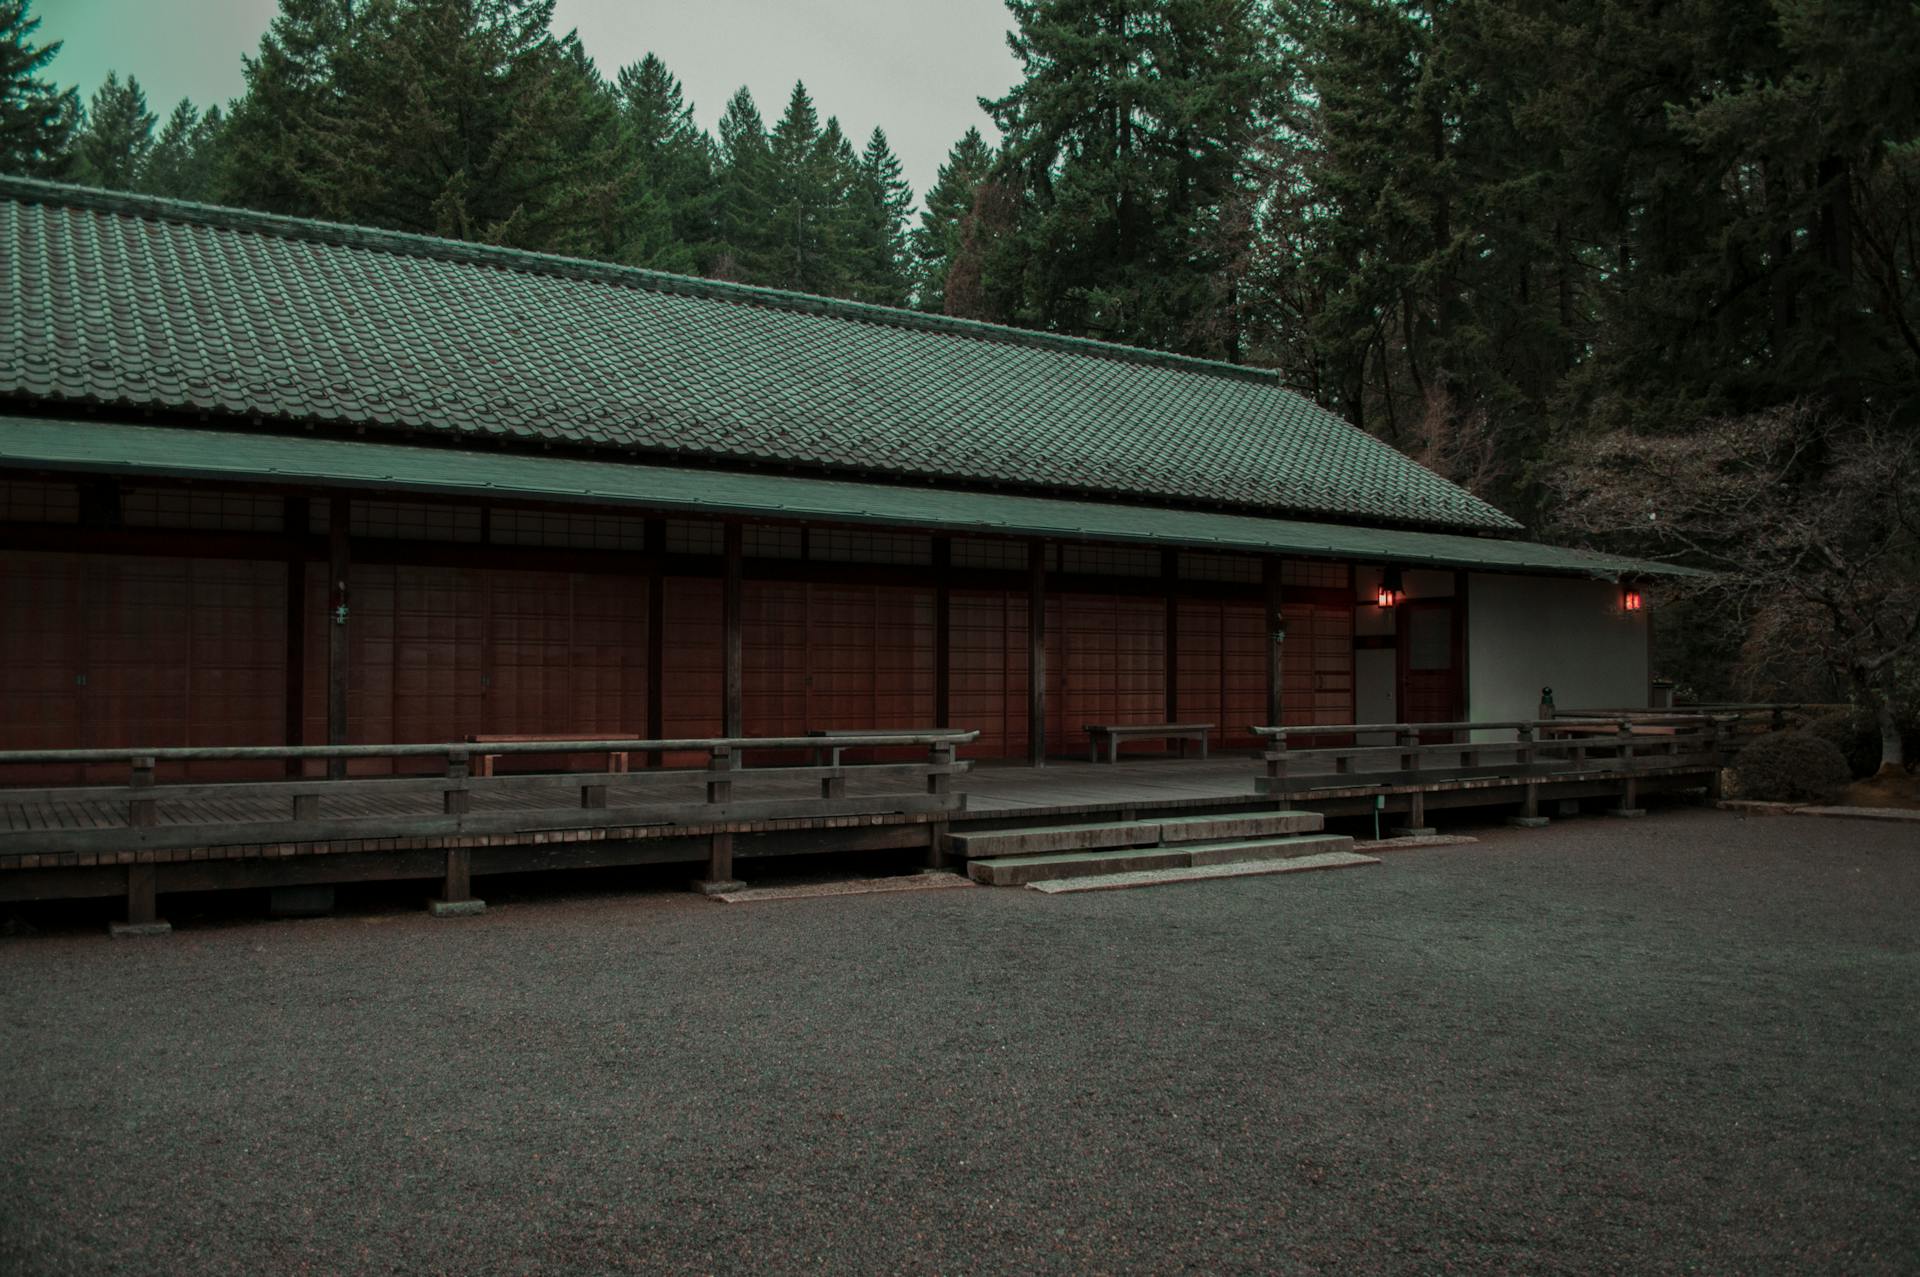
x=142 y=813
x=942 y=632
x=143 y=915
x=1037 y=653
x=1630 y=787
x=1416 y=825
x=1276 y=624
x=454 y=801
x=456 y=889
x=656 y=543
x=720 y=763
x=294 y=525
x=339 y=568
x=731 y=712
x=1170 y=592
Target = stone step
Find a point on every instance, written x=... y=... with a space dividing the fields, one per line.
x=1202 y=873
x=1018 y=871
x=1042 y=839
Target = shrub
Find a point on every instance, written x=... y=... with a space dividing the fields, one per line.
x=1792 y=767
x=1855 y=735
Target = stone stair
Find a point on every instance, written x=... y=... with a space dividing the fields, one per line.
x=1045 y=853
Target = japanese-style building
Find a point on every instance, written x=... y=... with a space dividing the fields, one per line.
x=271 y=481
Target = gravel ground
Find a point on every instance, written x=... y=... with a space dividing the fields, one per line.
x=1682 y=1044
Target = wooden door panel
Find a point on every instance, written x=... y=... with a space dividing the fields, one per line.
x=987 y=671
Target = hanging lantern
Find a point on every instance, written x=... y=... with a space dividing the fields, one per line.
x=1631 y=600
x=1390 y=594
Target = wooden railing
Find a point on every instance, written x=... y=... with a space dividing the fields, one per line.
x=1621 y=747
x=141 y=814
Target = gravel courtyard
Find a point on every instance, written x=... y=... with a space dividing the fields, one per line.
x=1682 y=1044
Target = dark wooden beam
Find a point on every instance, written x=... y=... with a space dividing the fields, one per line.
x=731 y=715
x=1170 y=584
x=942 y=632
x=1276 y=623
x=1037 y=653
x=295 y=732
x=339 y=571
x=656 y=540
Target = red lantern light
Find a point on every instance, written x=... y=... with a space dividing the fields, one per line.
x=1389 y=594
x=1630 y=600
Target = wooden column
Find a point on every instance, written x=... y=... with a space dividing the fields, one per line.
x=656 y=729
x=1276 y=624
x=1170 y=582
x=339 y=569
x=731 y=717
x=942 y=632
x=294 y=525
x=1037 y=653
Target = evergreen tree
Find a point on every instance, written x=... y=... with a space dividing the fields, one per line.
x=936 y=241
x=668 y=170
x=803 y=217
x=184 y=161
x=115 y=137
x=744 y=194
x=882 y=201
x=1127 y=140
x=37 y=119
x=279 y=146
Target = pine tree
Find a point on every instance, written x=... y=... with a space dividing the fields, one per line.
x=802 y=230
x=936 y=241
x=668 y=170
x=184 y=161
x=1126 y=140
x=37 y=119
x=882 y=201
x=743 y=198
x=116 y=136
x=279 y=152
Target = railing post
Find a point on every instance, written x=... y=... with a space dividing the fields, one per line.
x=719 y=783
x=834 y=786
x=454 y=797
x=1714 y=759
x=1416 y=825
x=1629 y=787
x=142 y=812
x=940 y=782
x=719 y=843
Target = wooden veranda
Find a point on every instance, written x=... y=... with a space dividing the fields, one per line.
x=755 y=797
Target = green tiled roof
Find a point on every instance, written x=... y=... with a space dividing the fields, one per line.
x=157 y=305
x=111 y=447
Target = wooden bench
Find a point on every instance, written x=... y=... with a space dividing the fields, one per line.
x=825 y=757
x=483 y=761
x=1114 y=733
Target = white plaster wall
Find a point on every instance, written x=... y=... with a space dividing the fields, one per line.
x=1529 y=632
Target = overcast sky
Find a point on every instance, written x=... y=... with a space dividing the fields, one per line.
x=913 y=67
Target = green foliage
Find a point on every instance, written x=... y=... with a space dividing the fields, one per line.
x=1792 y=767
x=936 y=241
x=1127 y=141
x=878 y=234
x=667 y=171
x=37 y=119
x=744 y=194
x=116 y=136
x=184 y=162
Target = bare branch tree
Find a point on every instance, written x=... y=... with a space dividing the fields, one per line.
x=1810 y=527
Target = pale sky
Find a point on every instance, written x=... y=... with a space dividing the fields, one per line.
x=913 y=67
